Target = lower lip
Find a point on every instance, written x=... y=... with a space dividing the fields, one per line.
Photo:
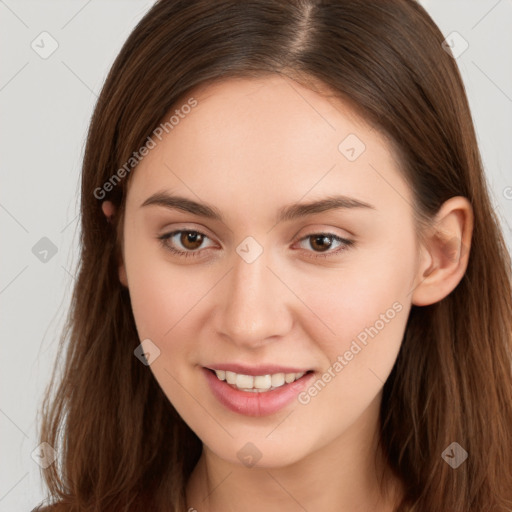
x=259 y=403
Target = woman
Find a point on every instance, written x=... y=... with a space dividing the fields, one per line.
x=293 y=291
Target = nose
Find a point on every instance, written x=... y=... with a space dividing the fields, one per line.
x=254 y=308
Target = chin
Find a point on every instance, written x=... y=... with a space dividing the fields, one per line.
x=257 y=452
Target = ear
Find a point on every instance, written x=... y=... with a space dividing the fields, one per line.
x=122 y=273
x=109 y=210
x=444 y=252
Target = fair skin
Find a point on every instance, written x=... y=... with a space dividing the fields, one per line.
x=249 y=148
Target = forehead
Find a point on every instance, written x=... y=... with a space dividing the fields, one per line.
x=256 y=142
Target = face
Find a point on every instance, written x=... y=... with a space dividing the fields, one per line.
x=324 y=290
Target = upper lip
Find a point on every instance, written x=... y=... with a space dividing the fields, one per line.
x=264 y=369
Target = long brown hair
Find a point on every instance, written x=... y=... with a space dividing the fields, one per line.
x=121 y=444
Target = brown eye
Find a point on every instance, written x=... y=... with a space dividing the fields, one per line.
x=186 y=243
x=321 y=242
x=191 y=240
x=324 y=245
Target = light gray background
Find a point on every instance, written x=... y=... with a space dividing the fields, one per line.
x=45 y=107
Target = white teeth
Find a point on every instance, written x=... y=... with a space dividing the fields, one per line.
x=230 y=377
x=257 y=383
x=221 y=374
x=262 y=382
x=289 y=377
x=277 y=380
x=244 y=381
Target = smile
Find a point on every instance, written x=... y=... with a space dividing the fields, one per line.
x=256 y=395
x=257 y=383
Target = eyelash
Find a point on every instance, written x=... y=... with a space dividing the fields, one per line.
x=186 y=254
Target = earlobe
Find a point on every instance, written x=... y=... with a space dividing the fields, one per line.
x=445 y=258
x=122 y=275
x=123 y=278
x=108 y=209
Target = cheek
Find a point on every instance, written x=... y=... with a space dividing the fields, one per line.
x=160 y=293
x=164 y=299
x=368 y=313
x=362 y=309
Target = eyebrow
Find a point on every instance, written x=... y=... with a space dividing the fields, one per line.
x=287 y=213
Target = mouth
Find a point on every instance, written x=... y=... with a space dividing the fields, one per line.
x=256 y=395
x=257 y=383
